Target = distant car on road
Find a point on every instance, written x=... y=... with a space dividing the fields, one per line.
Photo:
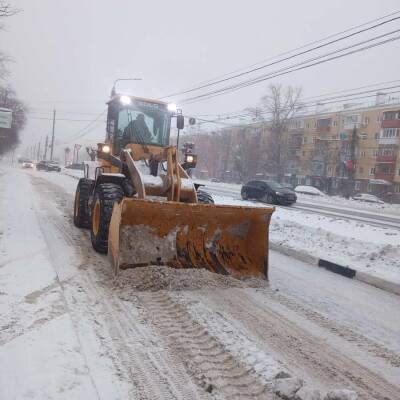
x=27 y=164
x=369 y=198
x=48 y=166
x=305 y=189
x=268 y=192
x=215 y=180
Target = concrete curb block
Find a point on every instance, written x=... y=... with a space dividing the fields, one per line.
x=297 y=254
x=347 y=272
x=378 y=282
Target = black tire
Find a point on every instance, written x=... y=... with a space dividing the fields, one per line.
x=204 y=197
x=105 y=195
x=269 y=198
x=81 y=206
x=244 y=195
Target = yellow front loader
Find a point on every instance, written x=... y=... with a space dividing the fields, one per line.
x=142 y=207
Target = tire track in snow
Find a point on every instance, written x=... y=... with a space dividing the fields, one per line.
x=299 y=348
x=213 y=366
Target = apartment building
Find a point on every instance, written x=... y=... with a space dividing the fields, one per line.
x=354 y=146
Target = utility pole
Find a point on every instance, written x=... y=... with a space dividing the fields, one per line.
x=46 y=146
x=34 y=152
x=38 y=152
x=52 y=135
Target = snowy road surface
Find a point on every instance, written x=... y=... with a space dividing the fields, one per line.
x=69 y=331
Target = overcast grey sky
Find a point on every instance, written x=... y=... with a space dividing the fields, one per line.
x=67 y=53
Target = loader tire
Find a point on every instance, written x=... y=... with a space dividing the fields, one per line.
x=81 y=206
x=105 y=195
x=204 y=197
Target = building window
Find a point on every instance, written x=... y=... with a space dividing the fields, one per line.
x=372 y=171
x=390 y=133
x=398 y=172
x=366 y=121
x=369 y=188
x=357 y=185
x=391 y=115
x=376 y=135
x=363 y=136
x=329 y=169
x=304 y=153
x=304 y=140
x=308 y=126
x=362 y=153
x=375 y=153
x=361 y=170
x=335 y=122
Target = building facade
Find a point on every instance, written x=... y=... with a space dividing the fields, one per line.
x=352 y=150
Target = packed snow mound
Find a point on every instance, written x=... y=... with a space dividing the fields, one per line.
x=155 y=278
x=309 y=190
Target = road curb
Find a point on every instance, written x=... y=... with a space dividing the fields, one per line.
x=347 y=272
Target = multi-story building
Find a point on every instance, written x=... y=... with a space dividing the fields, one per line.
x=357 y=146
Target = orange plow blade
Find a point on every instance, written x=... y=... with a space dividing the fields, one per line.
x=230 y=240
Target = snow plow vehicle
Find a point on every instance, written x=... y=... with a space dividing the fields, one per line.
x=142 y=207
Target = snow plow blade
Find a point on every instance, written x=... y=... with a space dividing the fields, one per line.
x=230 y=240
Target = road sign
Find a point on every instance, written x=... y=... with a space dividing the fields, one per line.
x=5 y=118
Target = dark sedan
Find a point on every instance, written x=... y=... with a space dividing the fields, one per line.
x=268 y=192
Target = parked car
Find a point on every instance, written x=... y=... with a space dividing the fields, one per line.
x=391 y=198
x=305 y=189
x=27 y=164
x=269 y=192
x=369 y=198
x=48 y=166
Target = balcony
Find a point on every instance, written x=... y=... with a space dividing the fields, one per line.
x=392 y=140
x=386 y=159
x=385 y=176
x=391 y=123
x=323 y=129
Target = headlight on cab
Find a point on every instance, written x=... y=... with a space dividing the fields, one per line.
x=106 y=148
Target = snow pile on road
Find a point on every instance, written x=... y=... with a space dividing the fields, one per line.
x=155 y=278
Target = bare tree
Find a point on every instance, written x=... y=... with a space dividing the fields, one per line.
x=9 y=137
x=7 y=10
x=279 y=105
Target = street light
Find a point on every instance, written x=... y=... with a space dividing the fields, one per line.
x=113 y=91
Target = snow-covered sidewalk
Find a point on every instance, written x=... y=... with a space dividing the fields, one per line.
x=37 y=338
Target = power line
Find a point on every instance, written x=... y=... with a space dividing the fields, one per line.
x=287 y=58
x=265 y=112
x=292 y=68
x=240 y=112
x=302 y=47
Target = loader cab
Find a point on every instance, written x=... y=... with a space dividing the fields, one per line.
x=136 y=120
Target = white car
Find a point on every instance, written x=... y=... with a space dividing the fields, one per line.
x=27 y=164
x=369 y=198
x=313 y=191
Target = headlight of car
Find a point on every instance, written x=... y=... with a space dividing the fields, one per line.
x=279 y=193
